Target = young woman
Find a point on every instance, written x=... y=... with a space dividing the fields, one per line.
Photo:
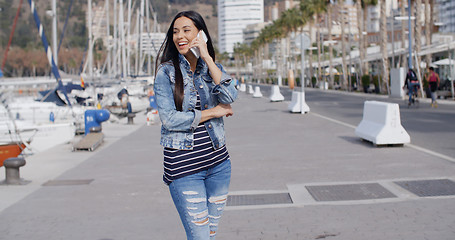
x=193 y=95
x=433 y=80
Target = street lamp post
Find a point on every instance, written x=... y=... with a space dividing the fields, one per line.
x=408 y=18
x=393 y=40
x=330 y=43
x=311 y=66
x=409 y=35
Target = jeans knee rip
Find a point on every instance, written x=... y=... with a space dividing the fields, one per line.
x=201 y=222
x=218 y=199
x=198 y=215
x=214 y=217
x=200 y=218
x=195 y=200
x=190 y=193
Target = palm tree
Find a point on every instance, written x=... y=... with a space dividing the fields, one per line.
x=329 y=21
x=315 y=8
x=428 y=30
x=403 y=3
x=290 y=21
x=418 y=30
x=385 y=58
x=365 y=5
x=240 y=52
x=310 y=52
x=267 y=35
x=360 y=26
x=343 y=15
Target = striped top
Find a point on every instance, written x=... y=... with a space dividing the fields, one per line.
x=181 y=163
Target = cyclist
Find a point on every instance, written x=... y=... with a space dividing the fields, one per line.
x=412 y=83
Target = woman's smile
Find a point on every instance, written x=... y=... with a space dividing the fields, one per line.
x=182 y=45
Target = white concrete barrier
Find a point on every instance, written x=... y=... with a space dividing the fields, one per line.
x=397 y=78
x=298 y=103
x=276 y=95
x=242 y=87
x=250 y=89
x=152 y=117
x=323 y=85
x=257 y=92
x=381 y=124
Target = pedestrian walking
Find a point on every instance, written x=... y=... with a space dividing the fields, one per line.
x=193 y=94
x=433 y=80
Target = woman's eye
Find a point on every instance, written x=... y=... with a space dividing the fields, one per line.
x=187 y=30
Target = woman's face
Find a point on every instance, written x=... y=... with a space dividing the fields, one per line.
x=184 y=32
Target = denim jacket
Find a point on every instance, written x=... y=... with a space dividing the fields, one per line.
x=178 y=126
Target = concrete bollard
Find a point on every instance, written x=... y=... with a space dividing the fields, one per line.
x=94 y=118
x=250 y=89
x=152 y=117
x=12 y=166
x=242 y=87
x=95 y=129
x=298 y=103
x=131 y=118
x=276 y=96
x=257 y=92
x=381 y=124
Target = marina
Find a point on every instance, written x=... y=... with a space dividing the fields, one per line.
x=80 y=153
x=116 y=192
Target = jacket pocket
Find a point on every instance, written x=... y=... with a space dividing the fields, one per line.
x=207 y=78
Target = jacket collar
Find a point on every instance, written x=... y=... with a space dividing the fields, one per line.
x=201 y=66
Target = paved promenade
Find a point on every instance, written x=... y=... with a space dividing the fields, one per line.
x=117 y=193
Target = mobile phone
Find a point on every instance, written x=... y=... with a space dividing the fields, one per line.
x=195 y=50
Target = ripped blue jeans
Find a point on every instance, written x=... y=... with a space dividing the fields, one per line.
x=200 y=199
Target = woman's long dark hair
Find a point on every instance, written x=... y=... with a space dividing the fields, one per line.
x=168 y=52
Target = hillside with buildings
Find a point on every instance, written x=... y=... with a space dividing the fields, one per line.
x=26 y=55
x=76 y=29
x=340 y=31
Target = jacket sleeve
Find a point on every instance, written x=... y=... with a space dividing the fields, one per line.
x=172 y=119
x=225 y=91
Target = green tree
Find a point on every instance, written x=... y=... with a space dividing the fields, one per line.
x=428 y=29
x=314 y=9
x=290 y=21
x=403 y=4
x=385 y=57
x=7 y=13
x=418 y=30
x=362 y=13
x=344 y=18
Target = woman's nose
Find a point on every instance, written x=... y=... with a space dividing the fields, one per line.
x=179 y=35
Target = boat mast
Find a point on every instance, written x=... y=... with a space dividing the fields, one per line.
x=108 y=42
x=149 y=37
x=90 y=41
x=128 y=53
x=116 y=62
x=137 y=42
x=122 y=39
x=48 y=50
x=54 y=30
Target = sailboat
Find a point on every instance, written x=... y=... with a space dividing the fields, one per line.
x=10 y=150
